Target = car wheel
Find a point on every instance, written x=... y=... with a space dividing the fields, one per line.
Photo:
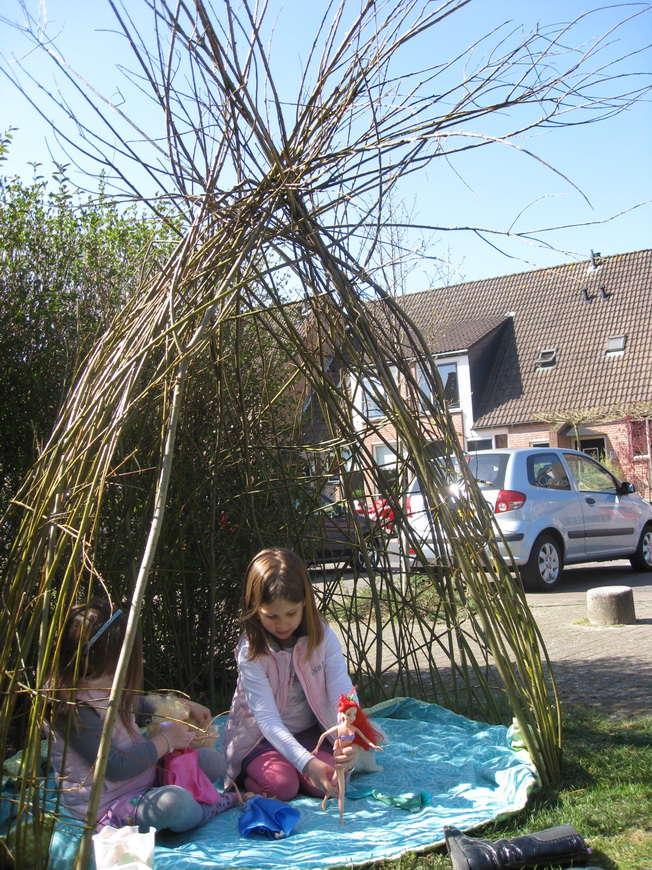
x=543 y=570
x=642 y=558
x=358 y=559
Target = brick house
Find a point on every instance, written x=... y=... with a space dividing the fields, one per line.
x=559 y=356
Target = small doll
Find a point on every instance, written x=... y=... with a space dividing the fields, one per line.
x=362 y=734
x=172 y=708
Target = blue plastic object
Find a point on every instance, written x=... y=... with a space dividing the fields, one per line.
x=267 y=817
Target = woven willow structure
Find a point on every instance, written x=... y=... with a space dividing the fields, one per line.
x=233 y=377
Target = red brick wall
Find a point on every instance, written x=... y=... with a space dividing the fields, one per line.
x=523 y=436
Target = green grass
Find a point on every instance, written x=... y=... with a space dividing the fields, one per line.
x=605 y=792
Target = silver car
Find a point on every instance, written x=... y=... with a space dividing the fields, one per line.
x=554 y=507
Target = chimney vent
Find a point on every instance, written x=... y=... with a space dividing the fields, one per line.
x=594 y=264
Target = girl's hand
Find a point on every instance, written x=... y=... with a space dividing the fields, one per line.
x=321 y=775
x=345 y=758
x=202 y=714
x=179 y=736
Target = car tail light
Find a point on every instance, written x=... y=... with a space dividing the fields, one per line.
x=509 y=500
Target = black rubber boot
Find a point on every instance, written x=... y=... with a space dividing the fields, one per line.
x=562 y=845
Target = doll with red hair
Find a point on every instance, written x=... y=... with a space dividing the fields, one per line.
x=362 y=733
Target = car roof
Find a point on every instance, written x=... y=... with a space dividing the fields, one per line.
x=515 y=450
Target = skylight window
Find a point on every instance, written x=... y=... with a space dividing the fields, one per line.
x=546 y=359
x=615 y=345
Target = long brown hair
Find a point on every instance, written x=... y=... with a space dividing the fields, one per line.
x=274 y=575
x=89 y=649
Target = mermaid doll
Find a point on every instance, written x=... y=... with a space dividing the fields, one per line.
x=362 y=733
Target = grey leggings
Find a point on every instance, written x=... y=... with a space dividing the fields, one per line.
x=174 y=808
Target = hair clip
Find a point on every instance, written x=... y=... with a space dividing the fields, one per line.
x=98 y=634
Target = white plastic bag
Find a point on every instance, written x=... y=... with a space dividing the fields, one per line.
x=125 y=848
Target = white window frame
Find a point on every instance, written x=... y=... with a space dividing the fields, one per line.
x=615 y=345
x=424 y=386
x=471 y=444
x=366 y=404
x=385 y=455
x=546 y=359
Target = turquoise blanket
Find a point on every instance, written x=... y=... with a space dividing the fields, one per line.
x=466 y=773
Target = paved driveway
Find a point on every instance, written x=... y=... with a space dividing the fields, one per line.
x=609 y=668
x=605 y=667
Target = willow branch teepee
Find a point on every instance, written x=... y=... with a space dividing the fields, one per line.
x=274 y=196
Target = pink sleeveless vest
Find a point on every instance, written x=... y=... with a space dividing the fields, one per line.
x=242 y=734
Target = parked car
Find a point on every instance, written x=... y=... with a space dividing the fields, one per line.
x=554 y=507
x=379 y=510
x=329 y=533
x=383 y=510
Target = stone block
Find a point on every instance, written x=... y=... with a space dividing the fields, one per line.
x=611 y=605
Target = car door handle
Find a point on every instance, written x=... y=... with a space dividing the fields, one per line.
x=590 y=500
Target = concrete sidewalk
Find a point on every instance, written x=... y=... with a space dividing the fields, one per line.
x=609 y=668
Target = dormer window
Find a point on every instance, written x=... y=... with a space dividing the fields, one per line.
x=546 y=359
x=615 y=345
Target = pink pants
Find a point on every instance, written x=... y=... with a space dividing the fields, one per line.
x=272 y=775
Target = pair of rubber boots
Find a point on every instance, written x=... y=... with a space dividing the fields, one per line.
x=562 y=846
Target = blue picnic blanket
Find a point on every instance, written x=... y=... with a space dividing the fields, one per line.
x=439 y=768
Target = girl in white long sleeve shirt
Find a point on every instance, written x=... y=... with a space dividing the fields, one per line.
x=291 y=673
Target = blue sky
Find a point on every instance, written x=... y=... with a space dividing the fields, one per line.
x=496 y=187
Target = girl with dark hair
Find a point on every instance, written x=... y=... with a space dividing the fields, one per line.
x=291 y=673
x=79 y=689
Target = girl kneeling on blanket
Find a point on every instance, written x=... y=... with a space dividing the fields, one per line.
x=80 y=689
x=291 y=673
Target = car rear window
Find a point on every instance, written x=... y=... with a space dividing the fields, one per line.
x=489 y=469
x=448 y=466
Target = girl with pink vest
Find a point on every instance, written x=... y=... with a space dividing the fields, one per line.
x=291 y=673
x=80 y=688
